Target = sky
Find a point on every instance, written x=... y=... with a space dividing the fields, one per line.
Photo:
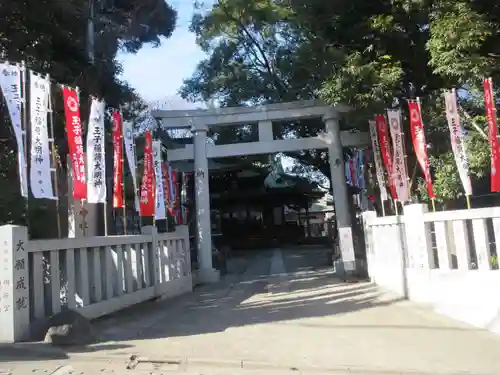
x=157 y=73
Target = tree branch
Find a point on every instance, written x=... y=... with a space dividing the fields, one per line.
x=278 y=82
x=472 y=122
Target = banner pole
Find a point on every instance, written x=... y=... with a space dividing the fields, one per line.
x=122 y=145
x=433 y=201
x=24 y=102
x=54 y=160
x=405 y=156
x=82 y=201
x=105 y=205
x=467 y=198
x=105 y=213
x=137 y=189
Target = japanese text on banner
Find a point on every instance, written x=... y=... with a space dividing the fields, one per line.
x=75 y=142
x=160 y=212
x=386 y=152
x=96 y=160
x=400 y=175
x=118 y=199
x=458 y=144
x=491 y=115
x=177 y=197
x=10 y=84
x=40 y=171
x=419 y=144
x=166 y=185
x=147 y=201
x=377 y=160
x=128 y=139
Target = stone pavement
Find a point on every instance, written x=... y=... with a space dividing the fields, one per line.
x=280 y=312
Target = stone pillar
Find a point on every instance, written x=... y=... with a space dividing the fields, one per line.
x=14 y=284
x=83 y=217
x=206 y=272
x=418 y=238
x=340 y=194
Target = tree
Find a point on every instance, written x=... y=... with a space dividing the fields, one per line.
x=369 y=54
x=56 y=44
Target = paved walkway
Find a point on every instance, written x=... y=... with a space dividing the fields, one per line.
x=281 y=312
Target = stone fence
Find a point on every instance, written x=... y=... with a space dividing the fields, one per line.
x=92 y=275
x=447 y=260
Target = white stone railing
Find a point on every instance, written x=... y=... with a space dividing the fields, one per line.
x=447 y=260
x=93 y=275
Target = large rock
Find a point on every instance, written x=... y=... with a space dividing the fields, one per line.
x=69 y=328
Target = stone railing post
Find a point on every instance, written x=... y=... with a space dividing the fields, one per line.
x=183 y=231
x=371 y=257
x=154 y=254
x=418 y=238
x=14 y=284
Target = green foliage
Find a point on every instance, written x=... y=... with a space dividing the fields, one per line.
x=371 y=55
x=51 y=37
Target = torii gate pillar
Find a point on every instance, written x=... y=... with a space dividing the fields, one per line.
x=206 y=272
x=340 y=196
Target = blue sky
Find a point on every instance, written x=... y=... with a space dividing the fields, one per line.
x=157 y=73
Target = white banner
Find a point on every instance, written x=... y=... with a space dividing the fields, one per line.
x=458 y=144
x=10 y=84
x=160 y=212
x=399 y=173
x=40 y=171
x=128 y=139
x=377 y=157
x=96 y=160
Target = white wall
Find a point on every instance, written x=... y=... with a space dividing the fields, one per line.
x=401 y=261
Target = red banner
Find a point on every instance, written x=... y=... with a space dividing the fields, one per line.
x=75 y=143
x=147 y=206
x=118 y=201
x=491 y=115
x=167 y=186
x=386 y=151
x=419 y=144
x=177 y=197
x=166 y=183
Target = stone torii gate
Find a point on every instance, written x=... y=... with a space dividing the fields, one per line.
x=199 y=121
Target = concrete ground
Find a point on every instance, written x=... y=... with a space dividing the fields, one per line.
x=277 y=312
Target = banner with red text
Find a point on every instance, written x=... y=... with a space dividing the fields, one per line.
x=385 y=151
x=129 y=144
x=160 y=212
x=400 y=174
x=377 y=158
x=419 y=144
x=166 y=183
x=458 y=144
x=185 y=179
x=75 y=142
x=491 y=115
x=118 y=199
x=175 y=189
x=147 y=202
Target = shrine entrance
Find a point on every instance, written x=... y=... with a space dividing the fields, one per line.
x=201 y=121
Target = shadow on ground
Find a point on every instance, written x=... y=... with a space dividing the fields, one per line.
x=40 y=351
x=248 y=298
